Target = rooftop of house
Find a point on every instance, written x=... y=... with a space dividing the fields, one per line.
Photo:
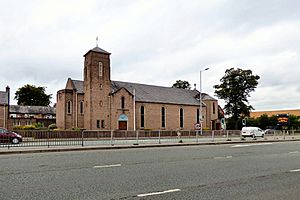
x=16 y=109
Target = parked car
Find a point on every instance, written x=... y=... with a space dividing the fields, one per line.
x=252 y=132
x=7 y=136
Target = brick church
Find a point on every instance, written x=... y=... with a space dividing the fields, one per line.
x=99 y=103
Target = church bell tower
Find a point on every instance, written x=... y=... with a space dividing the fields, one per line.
x=97 y=87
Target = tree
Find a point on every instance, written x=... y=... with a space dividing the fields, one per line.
x=182 y=84
x=235 y=89
x=294 y=122
x=263 y=121
x=30 y=95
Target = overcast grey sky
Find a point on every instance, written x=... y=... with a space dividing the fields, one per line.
x=155 y=42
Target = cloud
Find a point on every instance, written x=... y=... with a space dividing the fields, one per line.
x=156 y=42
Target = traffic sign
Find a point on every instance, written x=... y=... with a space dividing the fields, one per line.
x=197 y=126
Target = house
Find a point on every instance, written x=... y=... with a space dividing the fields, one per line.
x=99 y=103
x=270 y=113
x=15 y=115
x=4 y=107
x=29 y=115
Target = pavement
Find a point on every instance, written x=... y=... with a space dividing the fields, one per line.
x=45 y=149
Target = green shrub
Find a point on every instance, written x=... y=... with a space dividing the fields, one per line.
x=52 y=126
x=18 y=128
x=39 y=125
x=76 y=129
x=28 y=127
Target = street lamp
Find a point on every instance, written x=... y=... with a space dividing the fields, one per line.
x=200 y=99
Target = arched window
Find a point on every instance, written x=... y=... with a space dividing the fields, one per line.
x=163 y=117
x=181 y=117
x=100 y=69
x=142 y=116
x=123 y=102
x=69 y=107
x=81 y=107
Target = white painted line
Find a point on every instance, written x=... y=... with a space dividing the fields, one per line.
x=157 y=193
x=241 y=145
x=294 y=152
x=107 y=166
x=225 y=157
x=295 y=170
x=249 y=145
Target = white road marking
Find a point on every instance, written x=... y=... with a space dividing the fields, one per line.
x=295 y=170
x=107 y=166
x=157 y=193
x=225 y=157
x=249 y=145
x=294 y=152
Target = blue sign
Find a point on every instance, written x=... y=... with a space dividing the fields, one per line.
x=123 y=118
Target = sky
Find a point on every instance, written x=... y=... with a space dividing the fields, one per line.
x=155 y=42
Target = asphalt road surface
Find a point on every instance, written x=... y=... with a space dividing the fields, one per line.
x=242 y=171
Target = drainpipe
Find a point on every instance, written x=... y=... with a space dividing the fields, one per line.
x=76 y=106
x=134 y=110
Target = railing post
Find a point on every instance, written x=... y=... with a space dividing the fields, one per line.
x=197 y=136
x=111 y=137
x=293 y=134
x=159 y=137
x=284 y=134
x=82 y=137
x=137 y=137
x=213 y=135
x=48 y=137
x=227 y=136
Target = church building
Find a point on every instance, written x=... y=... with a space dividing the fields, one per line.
x=99 y=103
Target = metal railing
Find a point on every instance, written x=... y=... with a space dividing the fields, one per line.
x=46 y=138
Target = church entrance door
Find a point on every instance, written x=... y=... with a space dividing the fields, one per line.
x=122 y=125
x=123 y=119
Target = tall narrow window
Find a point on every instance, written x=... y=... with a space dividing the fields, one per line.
x=98 y=123
x=198 y=116
x=214 y=108
x=123 y=102
x=163 y=117
x=69 y=107
x=102 y=124
x=81 y=107
x=100 y=69
x=142 y=116
x=181 y=117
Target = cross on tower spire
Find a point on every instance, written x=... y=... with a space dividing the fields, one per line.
x=97 y=41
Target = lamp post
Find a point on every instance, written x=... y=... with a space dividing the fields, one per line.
x=200 y=99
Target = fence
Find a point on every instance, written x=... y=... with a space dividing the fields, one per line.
x=88 y=138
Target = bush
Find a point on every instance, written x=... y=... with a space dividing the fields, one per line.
x=39 y=125
x=52 y=126
x=28 y=127
x=76 y=129
x=18 y=128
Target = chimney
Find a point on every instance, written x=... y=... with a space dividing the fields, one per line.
x=8 y=98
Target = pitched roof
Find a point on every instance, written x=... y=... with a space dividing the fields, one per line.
x=3 y=98
x=32 y=109
x=98 y=50
x=160 y=94
x=78 y=85
x=153 y=93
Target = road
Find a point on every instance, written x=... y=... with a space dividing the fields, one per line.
x=242 y=171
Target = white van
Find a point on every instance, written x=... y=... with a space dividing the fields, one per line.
x=252 y=132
